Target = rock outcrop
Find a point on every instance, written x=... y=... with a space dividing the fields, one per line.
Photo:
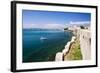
x=60 y=55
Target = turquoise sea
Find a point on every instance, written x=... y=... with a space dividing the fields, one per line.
x=40 y=45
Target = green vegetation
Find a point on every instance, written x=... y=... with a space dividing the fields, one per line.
x=74 y=52
x=82 y=27
x=65 y=28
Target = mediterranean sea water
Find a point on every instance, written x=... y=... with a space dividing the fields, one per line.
x=42 y=45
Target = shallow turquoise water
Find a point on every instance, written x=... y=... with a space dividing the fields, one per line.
x=37 y=50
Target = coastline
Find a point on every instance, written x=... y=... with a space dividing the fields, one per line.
x=74 y=52
x=60 y=55
x=83 y=45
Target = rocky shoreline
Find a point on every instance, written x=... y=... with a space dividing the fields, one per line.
x=60 y=55
x=84 y=38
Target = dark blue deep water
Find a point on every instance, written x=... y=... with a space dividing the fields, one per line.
x=37 y=50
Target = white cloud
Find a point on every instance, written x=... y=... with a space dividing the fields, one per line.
x=44 y=26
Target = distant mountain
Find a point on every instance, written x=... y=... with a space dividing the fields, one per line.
x=39 y=29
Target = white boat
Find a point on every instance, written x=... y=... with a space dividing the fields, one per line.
x=43 y=38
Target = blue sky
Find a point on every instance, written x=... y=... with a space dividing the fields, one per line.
x=51 y=19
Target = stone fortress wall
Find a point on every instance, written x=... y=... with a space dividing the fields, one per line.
x=84 y=36
x=85 y=44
